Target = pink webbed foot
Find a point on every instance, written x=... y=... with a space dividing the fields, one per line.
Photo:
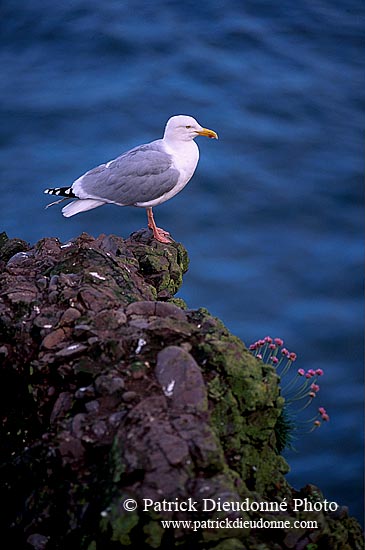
x=159 y=234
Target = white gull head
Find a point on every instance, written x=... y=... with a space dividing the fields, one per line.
x=185 y=128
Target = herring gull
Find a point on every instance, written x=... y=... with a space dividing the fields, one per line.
x=145 y=176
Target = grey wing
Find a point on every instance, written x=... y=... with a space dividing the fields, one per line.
x=142 y=174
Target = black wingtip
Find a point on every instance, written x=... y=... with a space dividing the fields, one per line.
x=60 y=191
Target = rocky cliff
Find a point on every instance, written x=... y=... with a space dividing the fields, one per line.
x=121 y=408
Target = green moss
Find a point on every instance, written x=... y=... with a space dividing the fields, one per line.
x=119 y=522
x=154 y=292
x=242 y=372
x=165 y=282
x=245 y=404
x=138 y=366
x=153 y=263
x=346 y=530
x=161 y=266
x=3 y=239
x=227 y=421
x=259 y=466
x=179 y=302
x=216 y=389
x=154 y=533
x=117 y=465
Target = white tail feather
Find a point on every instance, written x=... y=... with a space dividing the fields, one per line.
x=80 y=206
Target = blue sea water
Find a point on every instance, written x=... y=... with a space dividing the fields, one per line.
x=272 y=219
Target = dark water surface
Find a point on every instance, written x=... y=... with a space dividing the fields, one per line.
x=273 y=217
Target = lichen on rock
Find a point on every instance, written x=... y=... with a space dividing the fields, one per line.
x=112 y=389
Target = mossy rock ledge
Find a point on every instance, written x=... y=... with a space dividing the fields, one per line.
x=113 y=391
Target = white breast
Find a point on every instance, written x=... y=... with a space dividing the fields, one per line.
x=185 y=155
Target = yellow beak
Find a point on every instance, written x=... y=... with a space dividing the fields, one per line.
x=208 y=133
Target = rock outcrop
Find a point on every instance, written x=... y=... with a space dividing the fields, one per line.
x=114 y=395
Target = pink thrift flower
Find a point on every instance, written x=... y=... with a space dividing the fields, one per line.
x=292 y=356
x=261 y=342
x=279 y=341
x=312 y=394
x=274 y=360
x=315 y=387
x=301 y=372
x=284 y=351
x=308 y=375
x=322 y=410
x=312 y=372
x=253 y=347
x=259 y=356
x=268 y=339
x=272 y=346
x=319 y=372
x=317 y=423
x=325 y=417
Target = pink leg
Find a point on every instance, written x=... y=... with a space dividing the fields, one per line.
x=159 y=234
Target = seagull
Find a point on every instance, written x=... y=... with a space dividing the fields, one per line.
x=145 y=176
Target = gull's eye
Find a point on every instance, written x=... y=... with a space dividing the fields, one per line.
x=187 y=127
